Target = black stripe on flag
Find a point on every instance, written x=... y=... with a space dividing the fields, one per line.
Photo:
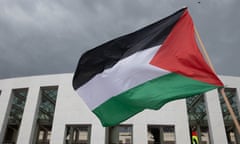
x=108 y=54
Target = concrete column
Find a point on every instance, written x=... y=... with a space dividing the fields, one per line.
x=58 y=126
x=140 y=134
x=98 y=134
x=199 y=133
x=161 y=135
x=215 y=118
x=5 y=103
x=29 y=119
x=182 y=132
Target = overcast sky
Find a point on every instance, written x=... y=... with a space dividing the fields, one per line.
x=48 y=36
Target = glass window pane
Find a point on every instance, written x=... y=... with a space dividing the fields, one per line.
x=48 y=97
x=78 y=134
x=198 y=119
x=121 y=134
x=231 y=131
x=161 y=134
x=18 y=100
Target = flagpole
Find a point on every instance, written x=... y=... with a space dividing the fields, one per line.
x=222 y=89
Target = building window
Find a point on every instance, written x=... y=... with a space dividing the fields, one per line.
x=121 y=134
x=48 y=97
x=18 y=99
x=161 y=134
x=232 y=135
x=78 y=134
x=198 y=119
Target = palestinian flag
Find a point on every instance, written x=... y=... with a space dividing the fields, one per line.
x=144 y=70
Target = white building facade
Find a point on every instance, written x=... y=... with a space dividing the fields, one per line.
x=45 y=109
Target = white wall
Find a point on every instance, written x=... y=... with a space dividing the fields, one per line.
x=5 y=100
x=70 y=109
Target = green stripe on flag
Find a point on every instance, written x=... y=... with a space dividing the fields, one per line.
x=152 y=95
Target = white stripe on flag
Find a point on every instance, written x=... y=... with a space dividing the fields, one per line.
x=126 y=74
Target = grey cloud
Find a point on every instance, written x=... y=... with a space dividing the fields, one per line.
x=47 y=37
